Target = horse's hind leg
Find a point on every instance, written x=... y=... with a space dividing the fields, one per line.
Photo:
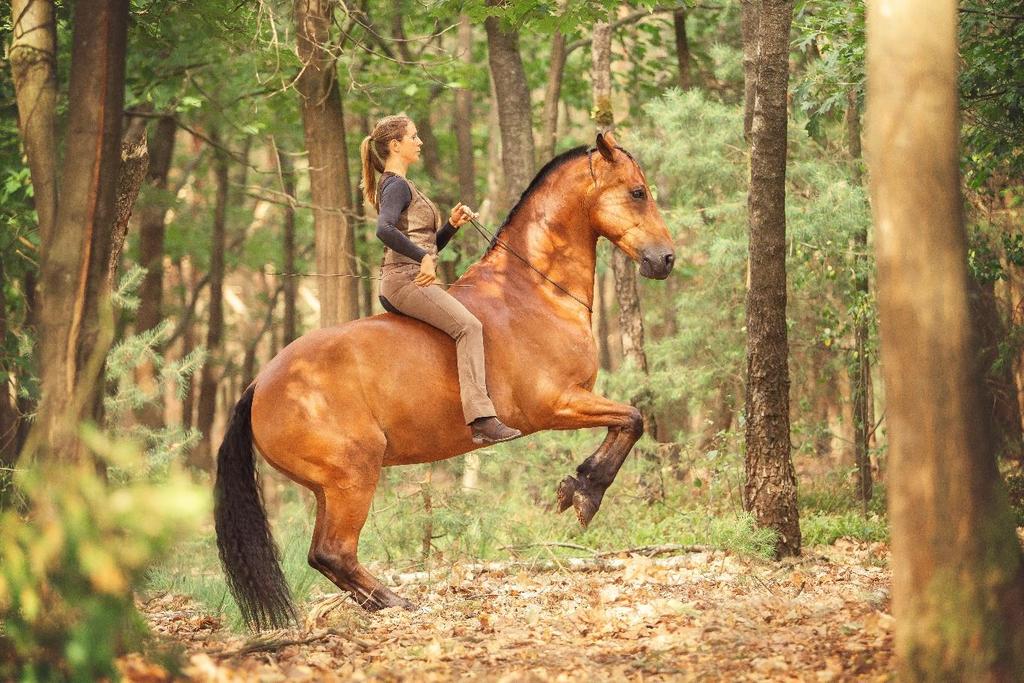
x=342 y=507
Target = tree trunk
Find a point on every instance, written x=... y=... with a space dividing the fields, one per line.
x=514 y=115
x=749 y=20
x=958 y=583
x=75 y=320
x=134 y=163
x=464 y=118
x=999 y=386
x=33 y=58
x=492 y=207
x=552 y=95
x=601 y=313
x=8 y=409
x=601 y=77
x=682 y=48
x=770 y=490
x=290 y=283
x=720 y=422
x=151 y=255
x=324 y=128
x=201 y=457
x=860 y=364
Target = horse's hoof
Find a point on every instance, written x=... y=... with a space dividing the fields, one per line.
x=384 y=599
x=585 y=508
x=587 y=501
x=566 y=488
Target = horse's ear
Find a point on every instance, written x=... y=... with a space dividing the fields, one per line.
x=606 y=145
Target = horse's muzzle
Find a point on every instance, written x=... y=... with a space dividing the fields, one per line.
x=657 y=262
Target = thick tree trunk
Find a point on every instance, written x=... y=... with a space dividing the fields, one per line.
x=770 y=490
x=33 y=57
x=151 y=254
x=682 y=48
x=75 y=320
x=328 y=168
x=290 y=282
x=552 y=95
x=514 y=115
x=201 y=457
x=464 y=119
x=958 y=583
x=749 y=21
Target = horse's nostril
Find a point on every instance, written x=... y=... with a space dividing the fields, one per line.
x=670 y=259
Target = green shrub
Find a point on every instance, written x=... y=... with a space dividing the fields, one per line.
x=70 y=557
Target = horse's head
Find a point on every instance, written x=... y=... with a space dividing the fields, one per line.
x=621 y=208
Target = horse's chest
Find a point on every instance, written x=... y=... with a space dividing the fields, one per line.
x=556 y=354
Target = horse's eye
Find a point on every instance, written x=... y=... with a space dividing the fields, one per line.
x=638 y=193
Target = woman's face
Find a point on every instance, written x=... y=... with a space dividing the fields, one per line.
x=408 y=148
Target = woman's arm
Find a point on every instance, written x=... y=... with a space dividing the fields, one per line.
x=395 y=195
x=446 y=232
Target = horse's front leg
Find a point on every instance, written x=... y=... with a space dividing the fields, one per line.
x=581 y=409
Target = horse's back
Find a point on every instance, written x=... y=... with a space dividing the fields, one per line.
x=384 y=375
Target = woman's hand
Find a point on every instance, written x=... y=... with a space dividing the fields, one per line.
x=426 y=275
x=460 y=214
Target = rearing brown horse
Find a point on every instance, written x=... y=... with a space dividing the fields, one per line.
x=337 y=405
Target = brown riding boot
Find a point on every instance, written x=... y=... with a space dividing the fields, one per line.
x=491 y=430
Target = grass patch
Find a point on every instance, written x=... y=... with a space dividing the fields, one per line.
x=818 y=528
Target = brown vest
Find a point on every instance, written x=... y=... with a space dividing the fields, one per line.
x=419 y=222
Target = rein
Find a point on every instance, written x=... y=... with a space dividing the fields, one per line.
x=494 y=240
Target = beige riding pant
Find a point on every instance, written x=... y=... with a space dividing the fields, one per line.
x=435 y=306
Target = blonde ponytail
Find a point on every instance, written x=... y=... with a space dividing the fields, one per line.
x=373 y=153
x=369 y=179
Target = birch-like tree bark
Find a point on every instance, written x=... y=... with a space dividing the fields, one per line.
x=770 y=489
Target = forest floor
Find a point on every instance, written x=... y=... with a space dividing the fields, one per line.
x=693 y=615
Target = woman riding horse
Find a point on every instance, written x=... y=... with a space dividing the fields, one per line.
x=407 y=223
x=340 y=403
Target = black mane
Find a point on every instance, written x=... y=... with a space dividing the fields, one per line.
x=549 y=168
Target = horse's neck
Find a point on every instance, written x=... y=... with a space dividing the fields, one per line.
x=552 y=234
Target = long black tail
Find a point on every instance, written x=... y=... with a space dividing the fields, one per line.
x=248 y=553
